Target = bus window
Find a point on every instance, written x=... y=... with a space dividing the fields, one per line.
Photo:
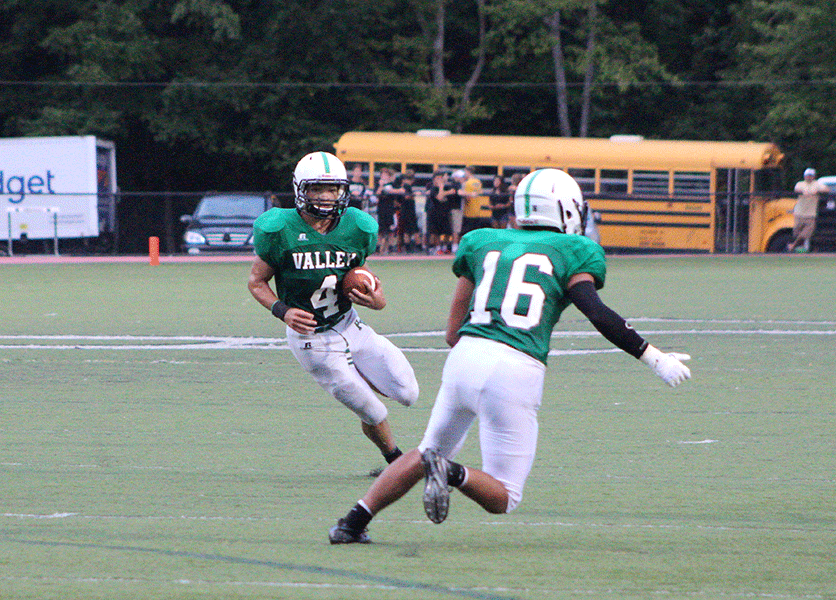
x=485 y=175
x=613 y=181
x=734 y=182
x=508 y=172
x=651 y=183
x=768 y=181
x=360 y=168
x=450 y=169
x=585 y=179
x=733 y=193
x=691 y=184
x=423 y=175
x=378 y=168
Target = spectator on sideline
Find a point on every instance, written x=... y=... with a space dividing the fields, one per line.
x=359 y=193
x=805 y=210
x=407 y=219
x=438 y=207
x=456 y=207
x=477 y=206
x=389 y=193
x=512 y=191
x=500 y=201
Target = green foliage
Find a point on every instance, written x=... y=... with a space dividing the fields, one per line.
x=519 y=36
x=108 y=44
x=54 y=120
x=238 y=89
x=218 y=17
x=788 y=53
x=626 y=58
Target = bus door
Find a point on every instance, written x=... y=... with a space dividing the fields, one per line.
x=733 y=192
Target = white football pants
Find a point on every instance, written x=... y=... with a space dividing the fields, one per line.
x=349 y=356
x=501 y=386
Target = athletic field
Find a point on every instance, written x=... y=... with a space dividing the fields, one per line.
x=158 y=441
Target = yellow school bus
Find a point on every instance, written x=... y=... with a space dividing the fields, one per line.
x=647 y=195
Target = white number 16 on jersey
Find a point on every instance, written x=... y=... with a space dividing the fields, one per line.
x=514 y=288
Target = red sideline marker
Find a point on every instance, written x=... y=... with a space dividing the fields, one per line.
x=154 y=250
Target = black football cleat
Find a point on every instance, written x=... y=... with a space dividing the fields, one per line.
x=436 y=492
x=342 y=534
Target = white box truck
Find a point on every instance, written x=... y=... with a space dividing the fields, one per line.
x=57 y=187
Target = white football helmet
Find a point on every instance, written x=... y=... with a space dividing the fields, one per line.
x=322 y=168
x=550 y=198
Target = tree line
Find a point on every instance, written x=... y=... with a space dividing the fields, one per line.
x=228 y=94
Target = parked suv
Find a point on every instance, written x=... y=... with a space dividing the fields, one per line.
x=223 y=222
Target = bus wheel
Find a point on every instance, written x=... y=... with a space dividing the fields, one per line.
x=779 y=241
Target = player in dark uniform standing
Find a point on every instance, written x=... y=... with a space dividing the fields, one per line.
x=357 y=189
x=307 y=251
x=438 y=206
x=513 y=284
x=407 y=219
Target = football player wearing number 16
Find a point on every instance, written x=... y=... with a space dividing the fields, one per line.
x=513 y=284
x=308 y=250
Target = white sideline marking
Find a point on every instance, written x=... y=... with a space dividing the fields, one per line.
x=31 y=516
x=203 y=583
x=189 y=342
x=134 y=518
x=269 y=344
x=538 y=592
x=728 y=321
x=418 y=522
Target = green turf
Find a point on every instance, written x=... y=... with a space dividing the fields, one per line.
x=135 y=468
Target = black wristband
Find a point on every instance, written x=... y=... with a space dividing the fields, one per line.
x=279 y=309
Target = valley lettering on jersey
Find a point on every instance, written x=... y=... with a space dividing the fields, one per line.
x=323 y=259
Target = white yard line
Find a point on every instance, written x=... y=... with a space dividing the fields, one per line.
x=175 y=342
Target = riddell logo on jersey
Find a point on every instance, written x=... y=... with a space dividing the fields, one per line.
x=307 y=261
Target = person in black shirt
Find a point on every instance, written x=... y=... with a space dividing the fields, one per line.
x=439 y=203
x=500 y=201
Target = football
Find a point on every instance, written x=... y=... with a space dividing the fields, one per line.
x=361 y=279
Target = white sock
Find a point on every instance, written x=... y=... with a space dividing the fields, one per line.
x=365 y=507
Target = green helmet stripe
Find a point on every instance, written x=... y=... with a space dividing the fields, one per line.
x=527 y=192
x=325 y=161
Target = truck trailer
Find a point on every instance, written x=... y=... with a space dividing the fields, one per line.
x=57 y=188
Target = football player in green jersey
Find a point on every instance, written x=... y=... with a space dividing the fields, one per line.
x=307 y=251
x=513 y=284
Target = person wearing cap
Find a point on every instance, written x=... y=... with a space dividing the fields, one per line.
x=805 y=211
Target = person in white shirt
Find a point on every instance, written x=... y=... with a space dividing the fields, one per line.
x=805 y=211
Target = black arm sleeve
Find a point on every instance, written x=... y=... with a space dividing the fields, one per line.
x=609 y=323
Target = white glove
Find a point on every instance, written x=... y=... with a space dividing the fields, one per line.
x=667 y=365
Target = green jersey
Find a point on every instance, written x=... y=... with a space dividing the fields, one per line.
x=309 y=266
x=520 y=279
